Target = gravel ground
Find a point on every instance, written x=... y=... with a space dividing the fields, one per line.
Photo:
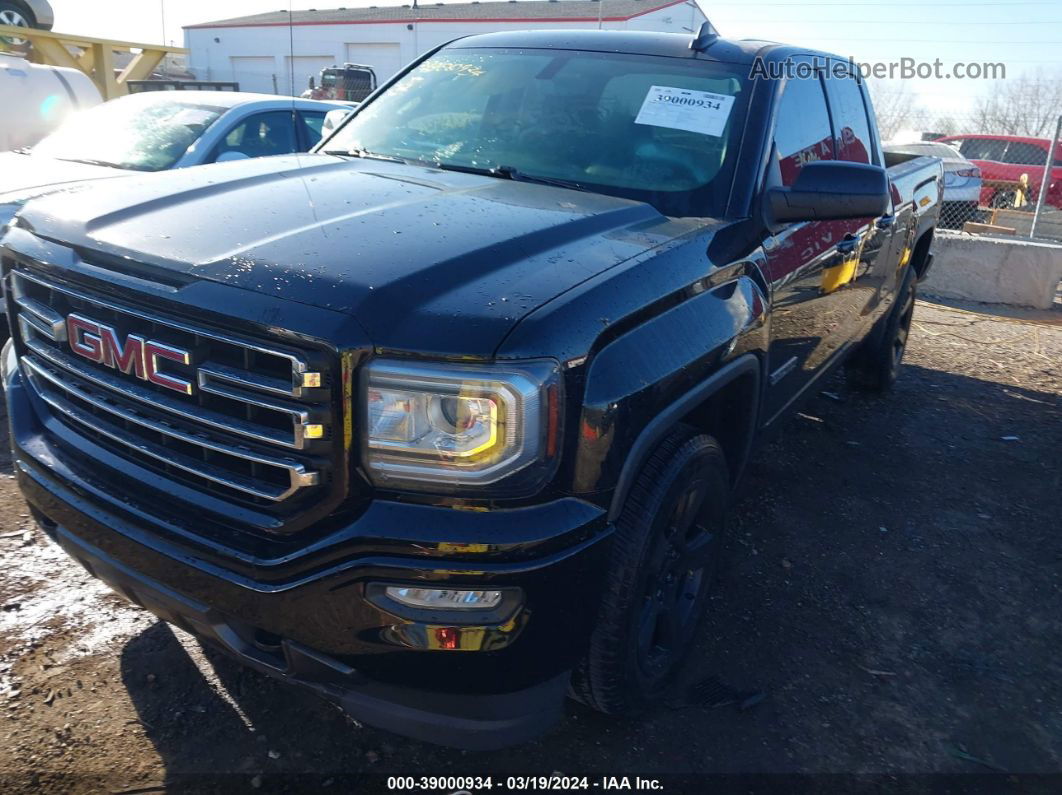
x=891 y=591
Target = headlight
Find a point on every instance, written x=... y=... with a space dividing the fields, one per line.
x=441 y=427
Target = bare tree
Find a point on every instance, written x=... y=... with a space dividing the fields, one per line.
x=895 y=106
x=1028 y=105
x=946 y=125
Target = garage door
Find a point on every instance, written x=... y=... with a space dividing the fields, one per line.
x=304 y=67
x=255 y=73
x=384 y=57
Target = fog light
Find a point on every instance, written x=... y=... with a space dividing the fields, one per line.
x=441 y=599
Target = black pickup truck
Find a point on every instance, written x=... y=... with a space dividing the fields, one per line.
x=441 y=421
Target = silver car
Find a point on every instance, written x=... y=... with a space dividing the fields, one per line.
x=27 y=14
x=962 y=180
x=160 y=130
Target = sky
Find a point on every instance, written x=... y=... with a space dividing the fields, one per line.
x=1022 y=34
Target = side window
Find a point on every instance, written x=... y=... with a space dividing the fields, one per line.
x=850 y=120
x=1025 y=154
x=983 y=149
x=802 y=129
x=260 y=135
x=312 y=126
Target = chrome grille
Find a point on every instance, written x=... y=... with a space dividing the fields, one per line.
x=257 y=428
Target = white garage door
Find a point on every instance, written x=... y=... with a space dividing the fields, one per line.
x=384 y=57
x=255 y=72
x=304 y=67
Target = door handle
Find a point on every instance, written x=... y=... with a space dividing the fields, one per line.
x=886 y=221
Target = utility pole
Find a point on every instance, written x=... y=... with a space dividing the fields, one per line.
x=1048 y=171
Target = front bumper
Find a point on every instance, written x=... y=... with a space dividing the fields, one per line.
x=305 y=618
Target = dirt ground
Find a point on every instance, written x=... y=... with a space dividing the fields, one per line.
x=892 y=587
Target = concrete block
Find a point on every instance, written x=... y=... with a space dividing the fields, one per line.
x=994 y=271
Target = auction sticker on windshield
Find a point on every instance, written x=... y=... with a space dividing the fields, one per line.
x=684 y=109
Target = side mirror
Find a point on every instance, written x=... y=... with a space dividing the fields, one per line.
x=827 y=190
x=311 y=83
x=333 y=119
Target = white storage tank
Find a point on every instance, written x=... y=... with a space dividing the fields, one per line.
x=36 y=98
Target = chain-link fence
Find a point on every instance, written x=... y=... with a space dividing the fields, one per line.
x=1004 y=219
x=998 y=158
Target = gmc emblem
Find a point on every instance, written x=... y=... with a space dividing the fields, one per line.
x=137 y=356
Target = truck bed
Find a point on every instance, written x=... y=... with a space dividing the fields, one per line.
x=917 y=179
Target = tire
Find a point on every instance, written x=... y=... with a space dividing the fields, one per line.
x=876 y=365
x=14 y=14
x=662 y=563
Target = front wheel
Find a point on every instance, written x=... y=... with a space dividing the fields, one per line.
x=662 y=563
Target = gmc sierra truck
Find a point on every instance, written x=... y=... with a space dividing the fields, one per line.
x=441 y=420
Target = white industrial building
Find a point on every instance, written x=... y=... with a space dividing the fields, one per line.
x=277 y=52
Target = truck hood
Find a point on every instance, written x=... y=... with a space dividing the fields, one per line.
x=425 y=260
x=33 y=175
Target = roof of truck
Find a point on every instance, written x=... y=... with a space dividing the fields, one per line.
x=675 y=45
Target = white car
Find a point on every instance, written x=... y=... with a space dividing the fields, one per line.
x=962 y=180
x=160 y=130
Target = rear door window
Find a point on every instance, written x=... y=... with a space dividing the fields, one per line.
x=802 y=130
x=1026 y=154
x=850 y=120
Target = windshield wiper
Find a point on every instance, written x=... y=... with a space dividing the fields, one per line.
x=90 y=162
x=515 y=174
x=365 y=154
x=502 y=172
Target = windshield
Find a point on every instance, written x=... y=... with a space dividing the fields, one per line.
x=660 y=130
x=143 y=134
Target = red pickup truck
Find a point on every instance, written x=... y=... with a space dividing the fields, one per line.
x=1004 y=158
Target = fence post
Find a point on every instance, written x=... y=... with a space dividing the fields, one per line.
x=1048 y=171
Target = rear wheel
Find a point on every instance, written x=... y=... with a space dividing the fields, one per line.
x=663 y=560
x=875 y=367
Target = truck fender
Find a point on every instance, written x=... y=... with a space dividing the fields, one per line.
x=747 y=365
